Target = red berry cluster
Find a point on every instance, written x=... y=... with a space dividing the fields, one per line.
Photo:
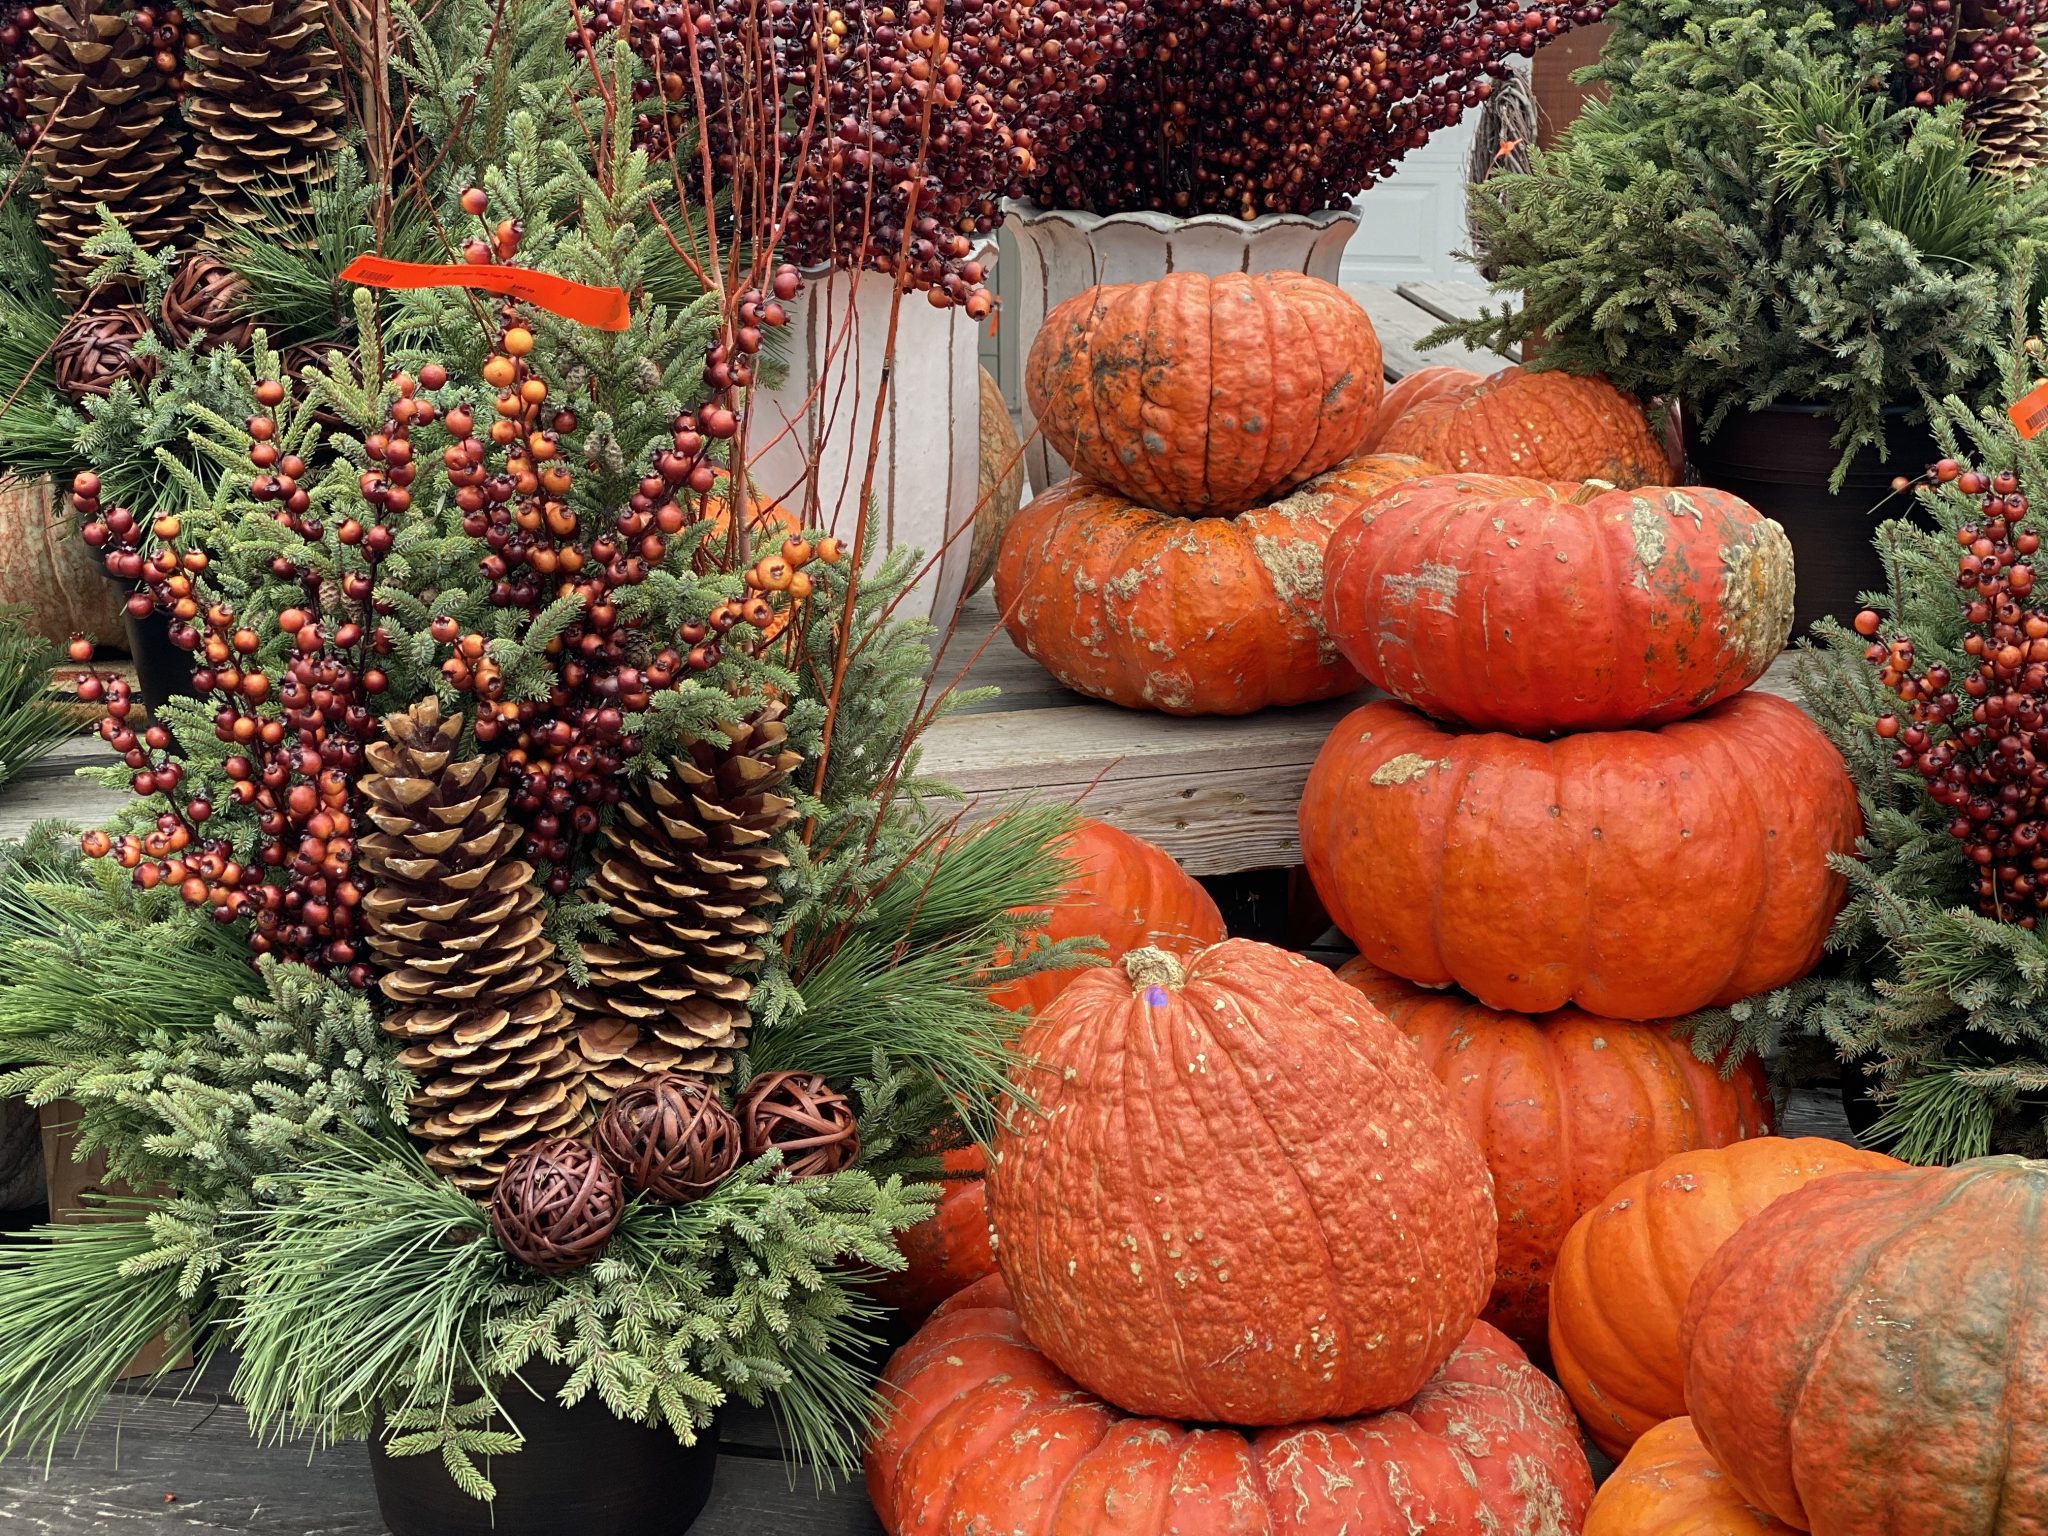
x=875 y=105
x=165 y=28
x=166 y=575
x=1991 y=769
x=17 y=75
x=1251 y=107
x=1962 y=50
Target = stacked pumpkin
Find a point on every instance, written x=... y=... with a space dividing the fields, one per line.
x=1573 y=812
x=1239 y=1199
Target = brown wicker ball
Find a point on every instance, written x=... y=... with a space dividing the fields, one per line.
x=96 y=350
x=803 y=1115
x=669 y=1138
x=205 y=300
x=557 y=1205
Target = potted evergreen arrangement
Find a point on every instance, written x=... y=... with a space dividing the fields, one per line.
x=1799 y=222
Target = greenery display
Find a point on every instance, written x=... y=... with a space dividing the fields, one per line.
x=1935 y=993
x=1746 y=221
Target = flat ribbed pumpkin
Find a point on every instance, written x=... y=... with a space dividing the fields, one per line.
x=1513 y=605
x=1204 y=396
x=1670 y=1486
x=1638 y=874
x=1245 y=1200
x=949 y=1252
x=1869 y=1356
x=1564 y=1106
x=1628 y=1266
x=986 y=1435
x=1548 y=426
x=1126 y=893
x=1189 y=616
x=1410 y=390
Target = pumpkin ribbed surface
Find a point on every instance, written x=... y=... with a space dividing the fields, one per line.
x=1410 y=391
x=1670 y=1486
x=1548 y=426
x=1627 y=1268
x=987 y=1436
x=1126 y=893
x=1513 y=605
x=1244 y=1200
x=1638 y=874
x=1204 y=396
x=1564 y=1107
x=1189 y=616
x=1869 y=1357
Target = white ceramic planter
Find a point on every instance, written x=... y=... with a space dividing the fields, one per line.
x=929 y=459
x=1062 y=252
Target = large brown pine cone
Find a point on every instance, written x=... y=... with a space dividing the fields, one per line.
x=688 y=871
x=266 y=108
x=113 y=136
x=2012 y=126
x=455 y=920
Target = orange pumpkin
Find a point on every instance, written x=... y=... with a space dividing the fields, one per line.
x=1243 y=1200
x=1126 y=893
x=1627 y=1268
x=985 y=1435
x=1869 y=1356
x=949 y=1252
x=1411 y=390
x=1638 y=874
x=1670 y=1486
x=1548 y=426
x=1565 y=1107
x=1513 y=605
x=1189 y=616
x=1204 y=396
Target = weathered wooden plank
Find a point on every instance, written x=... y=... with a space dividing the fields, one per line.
x=1402 y=324
x=1455 y=301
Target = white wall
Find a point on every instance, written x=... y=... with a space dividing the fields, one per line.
x=1410 y=223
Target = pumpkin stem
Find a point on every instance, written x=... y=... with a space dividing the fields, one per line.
x=1587 y=491
x=1150 y=967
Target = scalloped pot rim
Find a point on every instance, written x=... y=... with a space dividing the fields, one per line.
x=1028 y=213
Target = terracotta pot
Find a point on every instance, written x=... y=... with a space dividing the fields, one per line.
x=584 y=1472
x=1065 y=252
x=48 y=571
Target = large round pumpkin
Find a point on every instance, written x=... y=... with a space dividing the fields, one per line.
x=1204 y=396
x=1670 y=1486
x=1243 y=1198
x=1627 y=1268
x=987 y=1435
x=1548 y=426
x=1410 y=391
x=1189 y=616
x=1126 y=893
x=1869 y=1356
x=1638 y=874
x=952 y=1250
x=1564 y=1107
x=1514 y=605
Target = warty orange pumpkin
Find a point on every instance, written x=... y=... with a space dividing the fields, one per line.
x=1188 y=616
x=1637 y=874
x=952 y=1250
x=985 y=1434
x=1628 y=1266
x=1548 y=426
x=1410 y=391
x=1242 y=1198
x=1564 y=1106
x=1515 y=605
x=1670 y=1486
x=1126 y=893
x=1869 y=1356
x=1204 y=396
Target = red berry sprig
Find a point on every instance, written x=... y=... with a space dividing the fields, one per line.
x=1962 y=50
x=1980 y=744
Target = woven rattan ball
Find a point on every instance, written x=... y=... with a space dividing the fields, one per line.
x=557 y=1205
x=804 y=1116
x=96 y=350
x=669 y=1138
x=205 y=300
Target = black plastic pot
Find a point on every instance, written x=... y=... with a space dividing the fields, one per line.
x=584 y=1472
x=162 y=671
x=1779 y=460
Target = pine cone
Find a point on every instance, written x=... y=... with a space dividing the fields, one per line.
x=688 y=870
x=113 y=136
x=2011 y=127
x=96 y=350
x=205 y=300
x=266 y=108
x=456 y=920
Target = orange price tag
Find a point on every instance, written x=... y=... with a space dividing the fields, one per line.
x=602 y=309
x=2030 y=412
